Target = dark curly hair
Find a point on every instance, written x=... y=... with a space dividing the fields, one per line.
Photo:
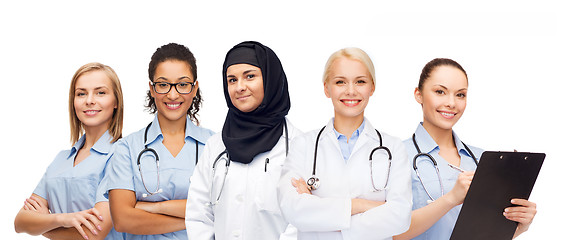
x=433 y=64
x=174 y=51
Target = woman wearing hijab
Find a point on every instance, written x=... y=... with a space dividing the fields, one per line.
x=233 y=190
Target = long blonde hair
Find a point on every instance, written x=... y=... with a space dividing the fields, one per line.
x=115 y=126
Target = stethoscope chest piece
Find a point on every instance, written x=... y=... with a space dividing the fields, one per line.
x=313 y=183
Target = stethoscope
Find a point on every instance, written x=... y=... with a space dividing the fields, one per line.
x=419 y=154
x=313 y=182
x=147 y=149
x=224 y=156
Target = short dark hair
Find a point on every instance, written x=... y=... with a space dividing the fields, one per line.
x=433 y=64
x=174 y=51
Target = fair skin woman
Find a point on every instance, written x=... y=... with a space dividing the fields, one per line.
x=150 y=218
x=349 y=87
x=94 y=105
x=443 y=99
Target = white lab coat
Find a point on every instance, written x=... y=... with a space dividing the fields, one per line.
x=326 y=214
x=248 y=207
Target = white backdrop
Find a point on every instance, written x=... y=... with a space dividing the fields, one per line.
x=515 y=54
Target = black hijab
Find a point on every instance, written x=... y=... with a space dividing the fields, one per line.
x=246 y=134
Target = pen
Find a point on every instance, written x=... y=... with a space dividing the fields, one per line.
x=455 y=168
x=266 y=163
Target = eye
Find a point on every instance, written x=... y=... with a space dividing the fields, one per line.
x=183 y=84
x=361 y=81
x=439 y=92
x=80 y=94
x=101 y=92
x=250 y=76
x=461 y=95
x=340 y=82
x=231 y=80
x=162 y=84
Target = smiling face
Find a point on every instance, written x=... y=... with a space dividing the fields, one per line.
x=94 y=100
x=349 y=85
x=443 y=97
x=245 y=86
x=173 y=106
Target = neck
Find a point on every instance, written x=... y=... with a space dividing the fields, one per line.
x=347 y=125
x=443 y=137
x=169 y=127
x=92 y=135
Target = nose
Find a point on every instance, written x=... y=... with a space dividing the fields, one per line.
x=173 y=93
x=90 y=99
x=451 y=101
x=351 y=89
x=241 y=85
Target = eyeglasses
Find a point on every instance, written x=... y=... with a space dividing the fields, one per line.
x=181 y=87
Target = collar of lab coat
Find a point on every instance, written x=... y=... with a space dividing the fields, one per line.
x=368 y=134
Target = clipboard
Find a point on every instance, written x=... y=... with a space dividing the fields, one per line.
x=500 y=176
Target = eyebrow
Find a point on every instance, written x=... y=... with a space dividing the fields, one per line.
x=447 y=88
x=166 y=79
x=244 y=73
x=97 y=88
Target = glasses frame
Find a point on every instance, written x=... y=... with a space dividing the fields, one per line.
x=175 y=85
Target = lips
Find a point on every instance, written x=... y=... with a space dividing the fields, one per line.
x=351 y=102
x=173 y=106
x=91 y=112
x=447 y=115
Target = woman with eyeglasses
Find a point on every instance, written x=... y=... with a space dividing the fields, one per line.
x=151 y=168
x=233 y=190
x=438 y=194
x=69 y=202
x=347 y=180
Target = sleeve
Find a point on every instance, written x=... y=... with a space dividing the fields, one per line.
x=393 y=217
x=119 y=169
x=41 y=188
x=200 y=216
x=104 y=183
x=304 y=211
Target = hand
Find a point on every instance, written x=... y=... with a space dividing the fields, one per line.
x=523 y=214
x=146 y=206
x=90 y=218
x=362 y=205
x=34 y=204
x=300 y=185
x=461 y=187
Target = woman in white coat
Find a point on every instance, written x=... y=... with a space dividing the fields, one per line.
x=233 y=190
x=357 y=198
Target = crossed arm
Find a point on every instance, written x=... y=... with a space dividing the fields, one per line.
x=35 y=219
x=145 y=218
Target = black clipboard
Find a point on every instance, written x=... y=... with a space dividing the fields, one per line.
x=500 y=176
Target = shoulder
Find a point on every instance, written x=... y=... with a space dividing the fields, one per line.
x=292 y=130
x=202 y=134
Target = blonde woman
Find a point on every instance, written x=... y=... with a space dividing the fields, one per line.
x=347 y=180
x=68 y=203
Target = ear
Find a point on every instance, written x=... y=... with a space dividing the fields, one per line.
x=372 y=89
x=418 y=96
x=151 y=89
x=326 y=89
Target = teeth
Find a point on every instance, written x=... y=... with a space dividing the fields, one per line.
x=447 y=114
x=173 y=105
x=91 y=112
x=351 y=102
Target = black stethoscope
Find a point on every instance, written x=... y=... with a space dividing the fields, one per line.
x=224 y=156
x=419 y=154
x=313 y=182
x=147 y=149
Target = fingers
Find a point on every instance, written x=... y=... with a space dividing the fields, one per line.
x=97 y=214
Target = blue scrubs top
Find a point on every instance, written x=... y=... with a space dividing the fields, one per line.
x=175 y=172
x=442 y=229
x=70 y=189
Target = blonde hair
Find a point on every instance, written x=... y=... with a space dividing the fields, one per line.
x=350 y=53
x=115 y=126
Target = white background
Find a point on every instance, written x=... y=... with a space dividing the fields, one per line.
x=515 y=54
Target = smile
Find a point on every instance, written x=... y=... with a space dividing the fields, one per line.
x=447 y=115
x=173 y=106
x=91 y=112
x=350 y=102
